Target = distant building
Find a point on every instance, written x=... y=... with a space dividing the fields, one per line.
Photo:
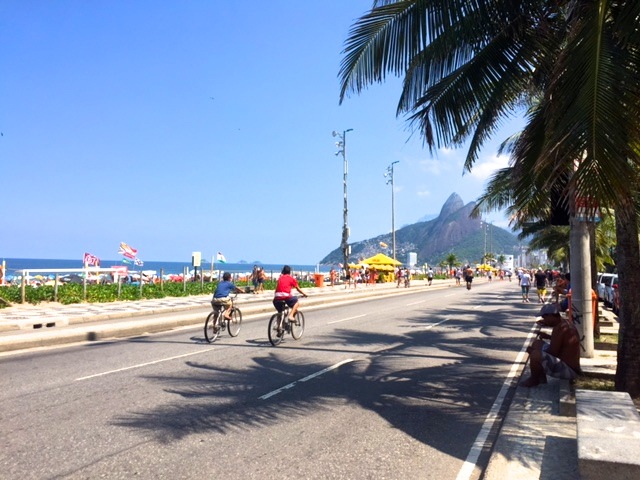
x=412 y=259
x=508 y=262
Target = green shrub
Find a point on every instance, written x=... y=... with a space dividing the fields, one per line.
x=74 y=293
x=10 y=294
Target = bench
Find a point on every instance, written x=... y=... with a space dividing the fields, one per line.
x=608 y=434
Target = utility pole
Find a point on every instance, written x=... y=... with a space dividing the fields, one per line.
x=342 y=149
x=389 y=175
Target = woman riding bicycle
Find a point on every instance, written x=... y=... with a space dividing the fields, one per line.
x=283 y=293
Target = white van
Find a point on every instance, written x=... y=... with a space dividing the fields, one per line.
x=603 y=282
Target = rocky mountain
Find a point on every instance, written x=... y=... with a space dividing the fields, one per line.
x=452 y=231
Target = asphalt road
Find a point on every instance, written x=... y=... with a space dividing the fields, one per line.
x=393 y=388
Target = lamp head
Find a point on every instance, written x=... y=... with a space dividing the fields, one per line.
x=334 y=133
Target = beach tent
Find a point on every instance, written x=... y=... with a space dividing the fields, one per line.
x=383 y=268
x=381 y=259
x=358 y=265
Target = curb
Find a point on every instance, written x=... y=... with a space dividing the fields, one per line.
x=78 y=329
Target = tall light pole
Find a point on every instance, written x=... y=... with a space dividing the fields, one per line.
x=342 y=149
x=484 y=231
x=389 y=175
x=491 y=238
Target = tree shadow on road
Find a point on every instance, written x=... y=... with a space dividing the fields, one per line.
x=442 y=375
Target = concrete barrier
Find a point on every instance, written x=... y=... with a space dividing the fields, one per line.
x=608 y=434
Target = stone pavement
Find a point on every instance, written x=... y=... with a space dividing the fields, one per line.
x=535 y=441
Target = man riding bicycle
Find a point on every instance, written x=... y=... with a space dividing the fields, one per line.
x=221 y=297
x=283 y=293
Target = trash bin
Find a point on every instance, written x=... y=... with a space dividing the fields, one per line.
x=319 y=278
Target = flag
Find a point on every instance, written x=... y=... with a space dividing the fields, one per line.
x=127 y=251
x=383 y=245
x=220 y=258
x=90 y=260
x=126 y=260
x=138 y=262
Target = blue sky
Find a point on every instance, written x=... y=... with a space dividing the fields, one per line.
x=182 y=126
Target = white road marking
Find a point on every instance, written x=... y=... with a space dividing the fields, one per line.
x=415 y=303
x=307 y=378
x=345 y=319
x=469 y=465
x=429 y=327
x=143 y=364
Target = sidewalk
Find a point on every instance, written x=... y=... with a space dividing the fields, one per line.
x=534 y=440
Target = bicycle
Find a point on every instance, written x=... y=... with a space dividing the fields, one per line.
x=216 y=322
x=279 y=324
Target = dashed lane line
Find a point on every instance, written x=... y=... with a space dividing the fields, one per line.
x=140 y=365
x=346 y=319
x=305 y=379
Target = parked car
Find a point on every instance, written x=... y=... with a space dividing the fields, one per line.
x=603 y=281
x=608 y=292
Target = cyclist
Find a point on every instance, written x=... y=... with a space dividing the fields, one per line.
x=221 y=296
x=285 y=284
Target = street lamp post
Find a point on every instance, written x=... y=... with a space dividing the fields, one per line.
x=484 y=231
x=389 y=175
x=342 y=149
x=491 y=238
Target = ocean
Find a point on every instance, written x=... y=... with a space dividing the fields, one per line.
x=15 y=265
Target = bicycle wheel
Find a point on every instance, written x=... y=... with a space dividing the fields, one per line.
x=297 y=327
x=275 y=333
x=235 y=322
x=211 y=330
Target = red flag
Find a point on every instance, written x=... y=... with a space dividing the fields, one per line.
x=90 y=260
x=127 y=251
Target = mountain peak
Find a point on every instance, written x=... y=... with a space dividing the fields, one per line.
x=453 y=231
x=452 y=205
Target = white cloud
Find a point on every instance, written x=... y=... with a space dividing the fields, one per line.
x=423 y=193
x=432 y=166
x=447 y=151
x=485 y=169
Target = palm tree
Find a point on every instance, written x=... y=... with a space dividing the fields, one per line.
x=488 y=258
x=452 y=260
x=572 y=64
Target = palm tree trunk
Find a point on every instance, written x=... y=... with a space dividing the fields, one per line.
x=581 y=307
x=628 y=255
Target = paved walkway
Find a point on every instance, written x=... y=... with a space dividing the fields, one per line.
x=534 y=440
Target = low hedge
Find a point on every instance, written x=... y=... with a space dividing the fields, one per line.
x=73 y=292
